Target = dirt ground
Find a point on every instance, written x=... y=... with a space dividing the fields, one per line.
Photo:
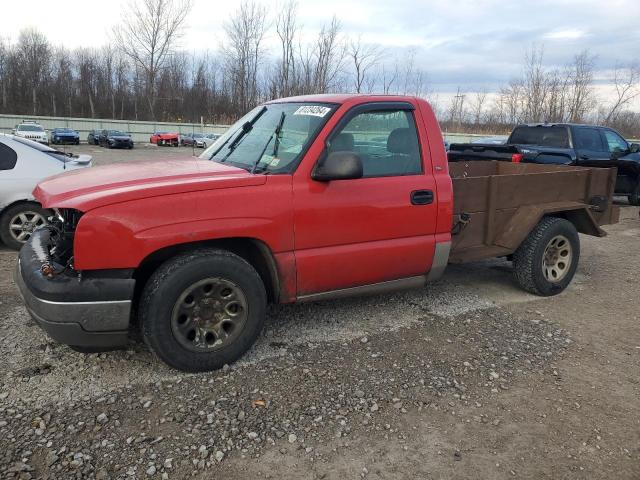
x=468 y=378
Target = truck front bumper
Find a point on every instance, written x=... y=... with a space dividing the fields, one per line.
x=87 y=311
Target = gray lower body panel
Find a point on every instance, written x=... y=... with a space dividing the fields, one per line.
x=85 y=324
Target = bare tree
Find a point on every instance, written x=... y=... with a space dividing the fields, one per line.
x=535 y=86
x=86 y=65
x=409 y=65
x=34 y=52
x=243 y=52
x=456 y=112
x=5 y=52
x=287 y=29
x=149 y=35
x=477 y=106
x=580 y=86
x=389 y=77
x=329 y=55
x=626 y=81
x=364 y=57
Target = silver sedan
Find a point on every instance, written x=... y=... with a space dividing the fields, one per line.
x=24 y=164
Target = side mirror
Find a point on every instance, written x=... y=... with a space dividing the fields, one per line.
x=338 y=166
x=634 y=148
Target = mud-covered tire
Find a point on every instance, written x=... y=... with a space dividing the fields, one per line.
x=634 y=198
x=31 y=209
x=164 y=292
x=529 y=258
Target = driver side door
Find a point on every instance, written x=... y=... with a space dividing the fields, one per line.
x=372 y=229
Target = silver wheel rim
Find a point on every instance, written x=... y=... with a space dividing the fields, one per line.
x=209 y=314
x=24 y=223
x=557 y=259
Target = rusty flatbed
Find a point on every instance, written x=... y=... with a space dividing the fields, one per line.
x=497 y=204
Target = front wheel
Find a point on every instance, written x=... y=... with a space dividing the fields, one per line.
x=634 y=198
x=202 y=310
x=546 y=261
x=18 y=222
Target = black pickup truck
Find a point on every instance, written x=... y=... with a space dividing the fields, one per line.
x=564 y=144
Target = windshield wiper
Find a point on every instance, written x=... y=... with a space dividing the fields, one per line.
x=246 y=128
x=276 y=143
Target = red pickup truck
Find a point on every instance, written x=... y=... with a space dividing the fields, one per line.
x=303 y=199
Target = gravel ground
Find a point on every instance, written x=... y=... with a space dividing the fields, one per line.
x=468 y=378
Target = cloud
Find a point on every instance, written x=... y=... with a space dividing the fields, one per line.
x=468 y=43
x=566 y=34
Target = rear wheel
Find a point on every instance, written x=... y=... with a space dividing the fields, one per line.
x=546 y=261
x=202 y=310
x=18 y=222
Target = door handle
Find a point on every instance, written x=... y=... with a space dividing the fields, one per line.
x=421 y=197
x=584 y=157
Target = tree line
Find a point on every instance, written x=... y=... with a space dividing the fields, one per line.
x=143 y=74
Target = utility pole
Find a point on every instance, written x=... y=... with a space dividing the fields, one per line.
x=459 y=103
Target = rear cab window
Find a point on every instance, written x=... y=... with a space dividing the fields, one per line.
x=543 y=136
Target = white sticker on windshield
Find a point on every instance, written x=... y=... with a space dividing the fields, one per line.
x=314 y=110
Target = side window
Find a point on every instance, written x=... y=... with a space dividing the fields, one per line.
x=588 y=139
x=8 y=157
x=386 y=141
x=615 y=142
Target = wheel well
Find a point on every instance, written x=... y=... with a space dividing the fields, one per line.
x=17 y=202
x=580 y=219
x=254 y=251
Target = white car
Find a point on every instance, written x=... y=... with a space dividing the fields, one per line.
x=206 y=140
x=23 y=164
x=32 y=131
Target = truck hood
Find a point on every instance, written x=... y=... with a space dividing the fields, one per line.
x=90 y=188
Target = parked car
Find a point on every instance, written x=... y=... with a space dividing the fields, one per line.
x=32 y=131
x=565 y=144
x=115 y=139
x=189 y=139
x=207 y=140
x=94 y=137
x=65 y=136
x=295 y=202
x=199 y=140
x=24 y=163
x=165 y=138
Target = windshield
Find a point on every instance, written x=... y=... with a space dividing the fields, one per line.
x=117 y=133
x=540 y=135
x=63 y=130
x=30 y=128
x=276 y=136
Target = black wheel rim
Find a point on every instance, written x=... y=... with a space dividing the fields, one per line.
x=209 y=315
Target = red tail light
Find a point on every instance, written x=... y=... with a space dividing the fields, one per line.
x=516 y=158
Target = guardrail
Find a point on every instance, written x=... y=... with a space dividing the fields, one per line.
x=139 y=131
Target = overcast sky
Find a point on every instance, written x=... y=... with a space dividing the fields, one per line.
x=474 y=44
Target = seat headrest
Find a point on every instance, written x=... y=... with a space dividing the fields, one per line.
x=401 y=140
x=342 y=143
